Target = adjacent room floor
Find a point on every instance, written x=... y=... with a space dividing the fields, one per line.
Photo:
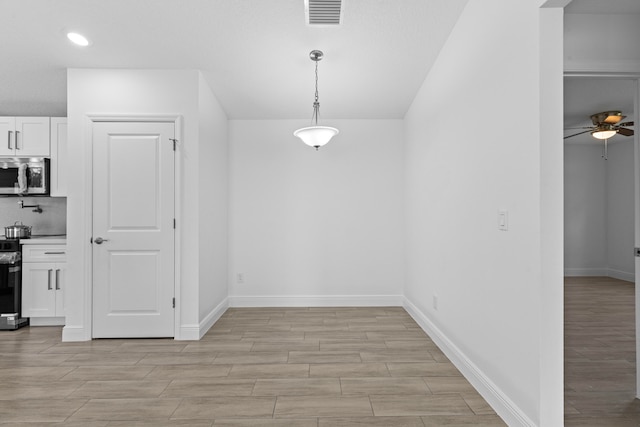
x=600 y=354
x=274 y=367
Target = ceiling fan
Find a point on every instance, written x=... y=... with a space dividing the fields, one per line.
x=606 y=125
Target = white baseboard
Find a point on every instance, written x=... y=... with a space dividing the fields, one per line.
x=74 y=334
x=622 y=275
x=46 y=321
x=604 y=272
x=189 y=332
x=582 y=272
x=211 y=318
x=498 y=400
x=196 y=332
x=317 y=301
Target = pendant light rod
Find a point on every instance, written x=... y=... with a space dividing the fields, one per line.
x=316 y=55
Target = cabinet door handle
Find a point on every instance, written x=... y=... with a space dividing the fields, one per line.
x=57 y=279
x=17 y=133
x=9 y=140
x=49 y=279
x=54 y=253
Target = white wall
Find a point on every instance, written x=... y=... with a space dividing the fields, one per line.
x=596 y=42
x=473 y=147
x=212 y=205
x=599 y=210
x=621 y=210
x=585 y=207
x=93 y=91
x=316 y=227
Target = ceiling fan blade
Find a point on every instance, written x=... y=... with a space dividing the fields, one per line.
x=576 y=134
x=625 y=131
x=580 y=127
x=626 y=124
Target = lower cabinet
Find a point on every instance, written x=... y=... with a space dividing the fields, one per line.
x=43 y=286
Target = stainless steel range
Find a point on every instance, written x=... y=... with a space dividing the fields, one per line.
x=11 y=286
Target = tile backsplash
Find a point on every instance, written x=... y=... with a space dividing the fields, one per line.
x=52 y=220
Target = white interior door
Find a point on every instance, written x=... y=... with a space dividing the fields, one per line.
x=133 y=229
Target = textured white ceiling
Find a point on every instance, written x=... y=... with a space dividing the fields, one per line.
x=253 y=53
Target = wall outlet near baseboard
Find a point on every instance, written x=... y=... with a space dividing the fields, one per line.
x=240 y=278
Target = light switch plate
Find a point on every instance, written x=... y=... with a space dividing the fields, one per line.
x=503 y=220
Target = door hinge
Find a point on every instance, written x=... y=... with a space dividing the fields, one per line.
x=174 y=302
x=174 y=223
x=637 y=251
x=175 y=142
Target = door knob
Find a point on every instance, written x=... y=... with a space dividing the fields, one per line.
x=99 y=240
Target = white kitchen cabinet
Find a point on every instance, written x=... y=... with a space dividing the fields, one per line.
x=59 y=162
x=43 y=283
x=25 y=136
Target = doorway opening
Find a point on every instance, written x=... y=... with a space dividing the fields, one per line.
x=601 y=216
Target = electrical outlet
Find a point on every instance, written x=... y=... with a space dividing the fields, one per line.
x=240 y=278
x=435 y=302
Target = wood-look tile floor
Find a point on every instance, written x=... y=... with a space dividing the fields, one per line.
x=600 y=365
x=275 y=367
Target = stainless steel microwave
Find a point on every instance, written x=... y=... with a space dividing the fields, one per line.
x=24 y=176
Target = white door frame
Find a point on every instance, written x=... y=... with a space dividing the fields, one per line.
x=636 y=191
x=635 y=76
x=176 y=119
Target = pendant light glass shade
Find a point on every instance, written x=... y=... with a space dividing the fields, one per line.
x=316 y=136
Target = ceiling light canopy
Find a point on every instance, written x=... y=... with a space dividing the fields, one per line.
x=316 y=136
x=78 y=39
x=608 y=117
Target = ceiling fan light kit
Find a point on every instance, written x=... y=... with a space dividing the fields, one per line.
x=603 y=133
x=606 y=125
x=316 y=136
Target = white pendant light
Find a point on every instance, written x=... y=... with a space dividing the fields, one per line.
x=316 y=136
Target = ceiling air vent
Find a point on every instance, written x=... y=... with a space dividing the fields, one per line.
x=323 y=12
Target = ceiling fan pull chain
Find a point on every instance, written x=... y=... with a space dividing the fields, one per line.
x=604 y=150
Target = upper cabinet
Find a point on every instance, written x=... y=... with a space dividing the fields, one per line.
x=24 y=136
x=59 y=162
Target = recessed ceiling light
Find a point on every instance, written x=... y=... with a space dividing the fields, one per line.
x=78 y=39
